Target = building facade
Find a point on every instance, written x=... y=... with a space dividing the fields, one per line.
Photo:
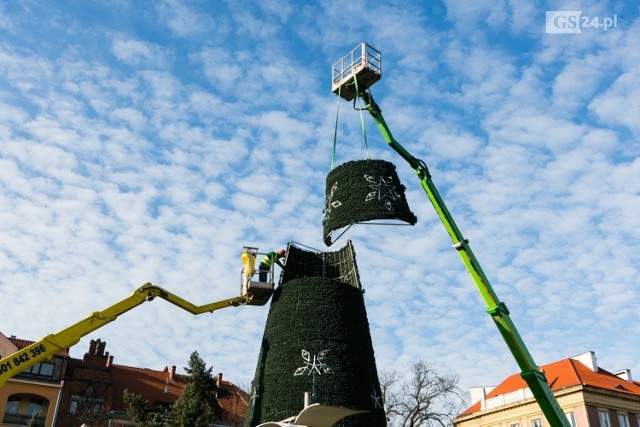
x=34 y=394
x=69 y=392
x=589 y=395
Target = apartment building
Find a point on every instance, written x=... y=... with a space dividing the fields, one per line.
x=35 y=393
x=67 y=392
x=590 y=396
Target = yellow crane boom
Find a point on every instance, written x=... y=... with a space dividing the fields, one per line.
x=251 y=293
x=45 y=348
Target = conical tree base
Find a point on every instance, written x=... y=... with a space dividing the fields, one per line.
x=317 y=340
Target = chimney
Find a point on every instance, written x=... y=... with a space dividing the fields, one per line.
x=109 y=361
x=101 y=346
x=92 y=347
x=219 y=379
x=479 y=394
x=625 y=374
x=588 y=359
x=172 y=373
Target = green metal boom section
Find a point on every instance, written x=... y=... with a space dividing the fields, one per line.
x=535 y=379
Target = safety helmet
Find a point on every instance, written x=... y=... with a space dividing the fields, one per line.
x=281 y=252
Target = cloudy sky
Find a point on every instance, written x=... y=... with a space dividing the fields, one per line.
x=149 y=141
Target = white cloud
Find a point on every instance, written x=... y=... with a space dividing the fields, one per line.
x=184 y=20
x=468 y=15
x=280 y=8
x=221 y=67
x=5 y=20
x=138 y=53
x=577 y=83
x=25 y=72
x=130 y=116
x=620 y=104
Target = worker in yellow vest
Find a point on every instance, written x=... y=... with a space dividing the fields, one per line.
x=267 y=262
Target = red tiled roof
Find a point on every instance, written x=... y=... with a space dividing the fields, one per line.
x=25 y=343
x=562 y=374
x=154 y=386
x=157 y=387
x=234 y=405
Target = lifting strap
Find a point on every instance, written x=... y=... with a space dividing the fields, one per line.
x=364 y=132
x=335 y=130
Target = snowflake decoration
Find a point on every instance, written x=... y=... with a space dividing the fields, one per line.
x=383 y=189
x=313 y=365
x=376 y=399
x=330 y=203
x=255 y=394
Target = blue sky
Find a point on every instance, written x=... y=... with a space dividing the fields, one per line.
x=149 y=141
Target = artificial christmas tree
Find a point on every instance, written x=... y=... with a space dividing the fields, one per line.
x=317 y=340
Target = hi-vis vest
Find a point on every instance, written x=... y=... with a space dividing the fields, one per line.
x=266 y=261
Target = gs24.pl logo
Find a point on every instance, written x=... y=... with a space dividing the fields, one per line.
x=573 y=22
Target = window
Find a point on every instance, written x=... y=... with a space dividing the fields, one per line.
x=97 y=407
x=12 y=405
x=86 y=405
x=603 y=417
x=514 y=424
x=44 y=369
x=35 y=406
x=623 y=420
x=571 y=418
x=73 y=407
x=536 y=423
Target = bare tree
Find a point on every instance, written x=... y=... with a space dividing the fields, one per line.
x=422 y=397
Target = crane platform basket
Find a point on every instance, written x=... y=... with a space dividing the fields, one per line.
x=363 y=64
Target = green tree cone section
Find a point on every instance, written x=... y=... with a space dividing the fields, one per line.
x=360 y=191
x=327 y=321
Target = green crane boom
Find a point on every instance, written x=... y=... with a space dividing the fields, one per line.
x=534 y=378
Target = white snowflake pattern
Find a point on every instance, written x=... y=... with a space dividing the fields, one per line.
x=314 y=364
x=330 y=203
x=384 y=190
x=376 y=399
